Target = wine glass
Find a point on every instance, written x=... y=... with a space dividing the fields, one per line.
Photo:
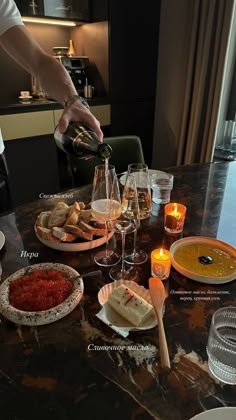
x=141 y=174
x=106 y=207
x=130 y=210
x=119 y=272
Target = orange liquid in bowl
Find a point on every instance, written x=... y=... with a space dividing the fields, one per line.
x=187 y=256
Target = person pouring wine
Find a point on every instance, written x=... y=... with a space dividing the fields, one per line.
x=52 y=76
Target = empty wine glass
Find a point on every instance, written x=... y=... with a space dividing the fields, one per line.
x=119 y=272
x=130 y=210
x=106 y=207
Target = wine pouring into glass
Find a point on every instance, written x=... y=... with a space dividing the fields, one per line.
x=106 y=207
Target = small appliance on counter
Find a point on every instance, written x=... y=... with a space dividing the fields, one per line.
x=77 y=67
x=25 y=97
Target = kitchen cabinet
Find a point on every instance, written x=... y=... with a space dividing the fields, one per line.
x=64 y=9
x=36 y=165
x=33 y=168
x=68 y=9
x=31 y=155
x=31 y=7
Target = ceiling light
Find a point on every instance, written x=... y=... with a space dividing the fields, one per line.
x=48 y=21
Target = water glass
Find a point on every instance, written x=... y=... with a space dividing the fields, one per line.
x=161 y=185
x=221 y=346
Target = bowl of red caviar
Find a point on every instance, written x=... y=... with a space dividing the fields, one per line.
x=40 y=294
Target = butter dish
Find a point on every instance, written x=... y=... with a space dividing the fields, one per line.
x=113 y=319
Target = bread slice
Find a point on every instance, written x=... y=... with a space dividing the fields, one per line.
x=82 y=205
x=61 y=234
x=46 y=234
x=102 y=225
x=58 y=217
x=61 y=205
x=73 y=215
x=91 y=229
x=76 y=230
x=85 y=215
x=43 y=219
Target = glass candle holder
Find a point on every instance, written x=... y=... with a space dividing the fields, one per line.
x=160 y=263
x=174 y=217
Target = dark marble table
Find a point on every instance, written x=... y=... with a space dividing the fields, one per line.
x=53 y=371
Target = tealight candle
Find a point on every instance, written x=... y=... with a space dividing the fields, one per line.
x=174 y=217
x=160 y=263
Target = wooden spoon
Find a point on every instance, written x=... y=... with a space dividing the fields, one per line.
x=157 y=292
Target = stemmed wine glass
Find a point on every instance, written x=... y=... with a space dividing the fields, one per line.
x=106 y=207
x=130 y=210
x=141 y=174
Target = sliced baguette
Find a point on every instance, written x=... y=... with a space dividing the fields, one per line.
x=61 y=205
x=85 y=215
x=46 y=234
x=76 y=230
x=43 y=219
x=82 y=205
x=73 y=214
x=91 y=229
x=58 y=217
x=61 y=234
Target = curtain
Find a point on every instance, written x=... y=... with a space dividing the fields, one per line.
x=211 y=28
x=196 y=50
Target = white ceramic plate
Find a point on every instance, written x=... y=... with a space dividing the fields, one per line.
x=197 y=240
x=114 y=318
x=75 y=246
x=2 y=239
x=221 y=413
x=123 y=177
x=41 y=317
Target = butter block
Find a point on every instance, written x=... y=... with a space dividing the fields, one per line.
x=130 y=305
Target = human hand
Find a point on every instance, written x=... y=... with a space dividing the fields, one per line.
x=77 y=112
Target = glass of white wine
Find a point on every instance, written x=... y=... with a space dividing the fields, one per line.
x=141 y=175
x=130 y=210
x=106 y=207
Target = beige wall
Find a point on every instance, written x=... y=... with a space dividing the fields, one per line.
x=92 y=40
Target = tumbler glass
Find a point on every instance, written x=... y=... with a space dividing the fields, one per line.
x=221 y=346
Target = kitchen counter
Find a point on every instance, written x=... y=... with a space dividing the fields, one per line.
x=39 y=105
x=54 y=372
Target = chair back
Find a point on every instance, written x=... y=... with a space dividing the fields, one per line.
x=125 y=150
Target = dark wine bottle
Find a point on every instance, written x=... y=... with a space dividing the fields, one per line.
x=81 y=142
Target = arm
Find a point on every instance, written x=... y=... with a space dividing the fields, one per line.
x=52 y=76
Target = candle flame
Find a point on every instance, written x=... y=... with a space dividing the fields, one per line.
x=161 y=252
x=175 y=208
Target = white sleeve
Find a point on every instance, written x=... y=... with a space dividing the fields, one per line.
x=9 y=15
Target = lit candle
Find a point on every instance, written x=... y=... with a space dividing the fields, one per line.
x=160 y=263
x=174 y=217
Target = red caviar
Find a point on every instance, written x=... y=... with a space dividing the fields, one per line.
x=40 y=290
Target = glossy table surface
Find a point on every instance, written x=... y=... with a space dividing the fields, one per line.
x=54 y=371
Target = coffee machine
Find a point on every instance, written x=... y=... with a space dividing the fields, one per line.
x=77 y=67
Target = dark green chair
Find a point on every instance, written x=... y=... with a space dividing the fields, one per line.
x=125 y=150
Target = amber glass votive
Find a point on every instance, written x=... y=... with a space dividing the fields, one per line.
x=160 y=263
x=174 y=217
